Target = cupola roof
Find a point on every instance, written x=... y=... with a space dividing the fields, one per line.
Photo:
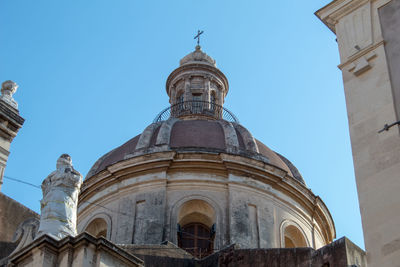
x=202 y=136
x=198 y=56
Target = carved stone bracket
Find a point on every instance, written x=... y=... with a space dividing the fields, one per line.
x=362 y=64
x=26 y=233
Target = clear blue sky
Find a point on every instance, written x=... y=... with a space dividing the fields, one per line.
x=92 y=75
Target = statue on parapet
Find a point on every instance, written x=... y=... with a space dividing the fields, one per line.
x=8 y=88
x=60 y=200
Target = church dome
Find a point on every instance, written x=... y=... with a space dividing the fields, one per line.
x=196 y=168
x=196 y=121
x=196 y=135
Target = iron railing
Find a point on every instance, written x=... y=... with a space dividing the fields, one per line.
x=196 y=108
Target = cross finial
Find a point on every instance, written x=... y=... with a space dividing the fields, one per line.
x=198 y=37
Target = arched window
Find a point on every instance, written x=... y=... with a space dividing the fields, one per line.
x=197 y=103
x=179 y=102
x=179 y=99
x=196 y=228
x=293 y=237
x=97 y=228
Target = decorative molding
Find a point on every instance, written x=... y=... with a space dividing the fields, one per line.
x=248 y=138
x=164 y=134
x=231 y=139
x=331 y=13
x=47 y=244
x=354 y=31
x=11 y=114
x=368 y=50
x=25 y=233
x=145 y=137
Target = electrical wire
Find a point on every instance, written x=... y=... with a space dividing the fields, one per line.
x=20 y=181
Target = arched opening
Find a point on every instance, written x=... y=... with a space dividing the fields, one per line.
x=196 y=228
x=197 y=103
x=179 y=98
x=293 y=237
x=97 y=228
x=179 y=101
x=212 y=101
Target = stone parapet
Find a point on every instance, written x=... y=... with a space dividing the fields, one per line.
x=82 y=250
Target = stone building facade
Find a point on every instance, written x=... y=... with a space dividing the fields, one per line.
x=368 y=37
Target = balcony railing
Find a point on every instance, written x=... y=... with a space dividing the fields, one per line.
x=196 y=108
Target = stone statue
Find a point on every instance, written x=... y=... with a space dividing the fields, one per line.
x=8 y=88
x=60 y=200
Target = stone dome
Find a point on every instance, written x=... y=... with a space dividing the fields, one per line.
x=198 y=135
x=197 y=56
x=197 y=166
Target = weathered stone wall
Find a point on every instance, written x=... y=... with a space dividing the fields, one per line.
x=135 y=216
x=144 y=209
x=341 y=253
x=12 y=213
x=6 y=248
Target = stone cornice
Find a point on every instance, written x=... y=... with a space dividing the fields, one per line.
x=46 y=242
x=360 y=54
x=183 y=76
x=331 y=13
x=329 y=224
x=7 y=133
x=11 y=114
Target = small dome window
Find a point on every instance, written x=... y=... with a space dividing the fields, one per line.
x=293 y=237
x=196 y=228
x=97 y=228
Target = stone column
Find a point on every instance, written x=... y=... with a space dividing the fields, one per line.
x=207 y=94
x=220 y=96
x=172 y=99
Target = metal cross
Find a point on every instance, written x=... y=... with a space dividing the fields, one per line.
x=198 y=36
